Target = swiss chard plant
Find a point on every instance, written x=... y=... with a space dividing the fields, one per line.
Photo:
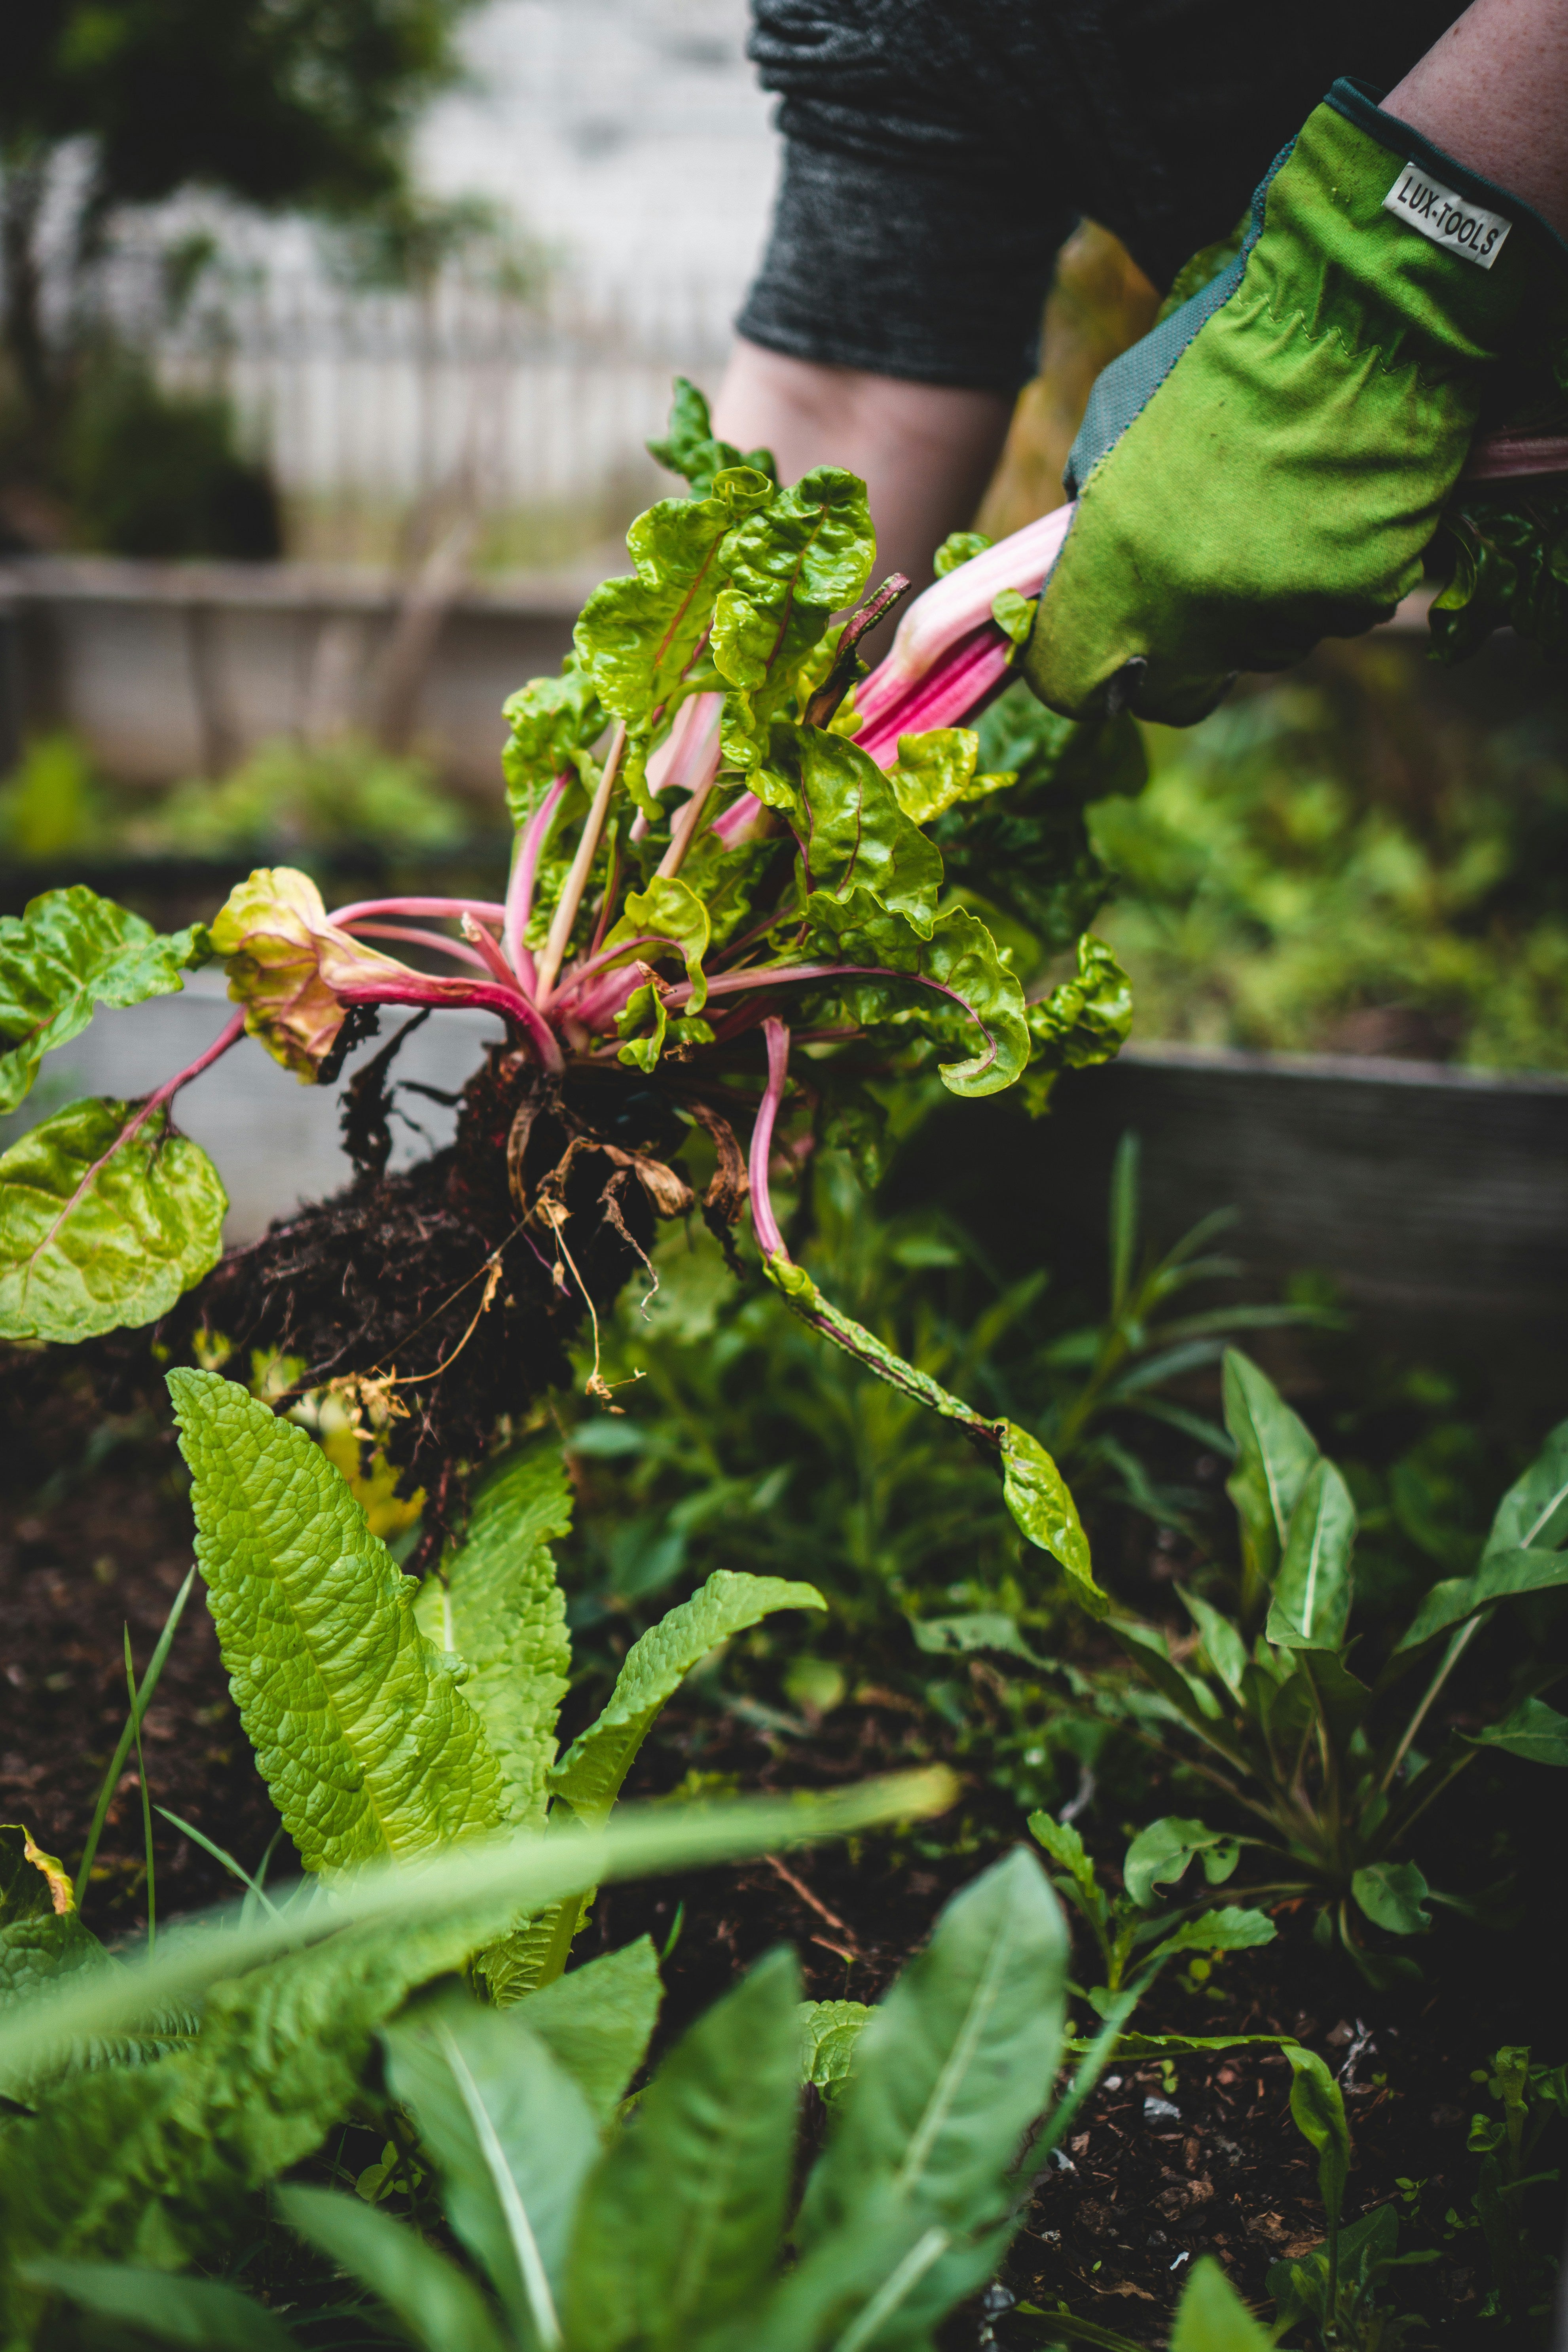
x=749 y=881
x=1325 y=1766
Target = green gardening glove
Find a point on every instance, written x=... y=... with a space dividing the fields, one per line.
x=1266 y=466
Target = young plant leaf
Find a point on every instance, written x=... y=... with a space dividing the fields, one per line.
x=1159 y=1855
x=853 y=834
x=430 y=2298
x=1311 y=1603
x=106 y=1218
x=589 y=1776
x=597 y=2022
x=202 y=2313
x=1043 y=1508
x=679 y=2227
x=1066 y=1848
x=495 y=1602
x=1533 y=1729
x=1534 y=1514
x=1318 y=2112
x=936 y=770
x=1501 y=1576
x=1275 y=1452
x=1234 y=1929
x=67 y=954
x=1226 y=1650
x=553 y=719
x=513 y=2139
x=1392 y=1893
x=829 y=2031
x=360 y=1729
x=1211 y=2317
x=666 y=911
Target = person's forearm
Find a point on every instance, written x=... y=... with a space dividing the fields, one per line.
x=1493 y=93
x=925 y=451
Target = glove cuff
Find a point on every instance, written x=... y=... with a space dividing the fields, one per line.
x=1479 y=225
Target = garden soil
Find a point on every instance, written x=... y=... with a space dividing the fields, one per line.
x=1168 y=2162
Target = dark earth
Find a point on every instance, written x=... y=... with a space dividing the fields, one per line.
x=1166 y=2164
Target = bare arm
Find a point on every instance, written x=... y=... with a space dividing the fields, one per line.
x=1493 y=93
x=925 y=451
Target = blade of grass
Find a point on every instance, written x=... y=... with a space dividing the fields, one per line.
x=146 y=1801
x=218 y=1854
x=141 y=1701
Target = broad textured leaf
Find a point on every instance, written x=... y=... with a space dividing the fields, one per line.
x=679 y=2227
x=1533 y=1730
x=1319 y=2114
x=1159 y=1855
x=360 y=1729
x=805 y=556
x=106 y=1218
x=854 y=834
x=1211 y=2317
x=1233 y=1929
x=829 y=2031
x=437 y=2305
x=1501 y=1576
x=1275 y=1451
x=936 y=772
x=1043 y=1508
x=512 y=2137
x=597 y=2021
x=690 y=448
x=955 y=2064
x=969 y=997
x=1084 y=1020
x=1311 y=1603
x=551 y=721
x=1392 y=1895
x=1534 y=1514
x=495 y=1602
x=202 y=2313
x=589 y=1775
x=67 y=954
x=666 y=910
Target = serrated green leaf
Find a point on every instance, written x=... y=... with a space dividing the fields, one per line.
x=589 y=1776
x=1501 y=1576
x=436 y=2303
x=512 y=2137
x=1533 y=1729
x=495 y=1602
x=68 y=952
x=1042 y=1506
x=970 y=998
x=202 y=2313
x=679 y=2227
x=597 y=2021
x=853 y=834
x=1159 y=1855
x=1275 y=1452
x=106 y=1218
x=1311 y=1604
x=829 y=2031
x=1392 y=1895
x=1534 y=1514
x=360 y=1729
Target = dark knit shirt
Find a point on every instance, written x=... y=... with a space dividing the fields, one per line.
x=937 y=153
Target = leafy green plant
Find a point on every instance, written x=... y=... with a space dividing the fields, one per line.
x=1321 y=1764
x=673 y=2233
x=389 y=1718
x=1533 y=2100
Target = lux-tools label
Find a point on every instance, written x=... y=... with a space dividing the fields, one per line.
x=1446 y=219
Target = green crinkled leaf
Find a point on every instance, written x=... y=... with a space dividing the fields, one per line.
x=972 y=997
x=1311 y=1603
x=553 y=721
x=1501 y=1576
x=958 y=547
x=1275 y=1451
x=106 y=1218
x=495 y=1602
x=936 y=772
x=829 y=2031
x=508 y=2129
x=679 y=2227
x=643 y=1003
x=666 y=911
x=360 y=1729
x=804 y=557
x=1533 y=1730
x=1534 y=1514
x=589 y=1776
x=1041 y=1503
x=68 y=952
x=690 y=449
x=1159 y=1855
x=855 y=836
x=1392 y=1893
x=1085 y=1020
x=597 y=2021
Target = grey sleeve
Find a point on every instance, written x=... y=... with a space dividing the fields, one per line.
x=914 y=232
